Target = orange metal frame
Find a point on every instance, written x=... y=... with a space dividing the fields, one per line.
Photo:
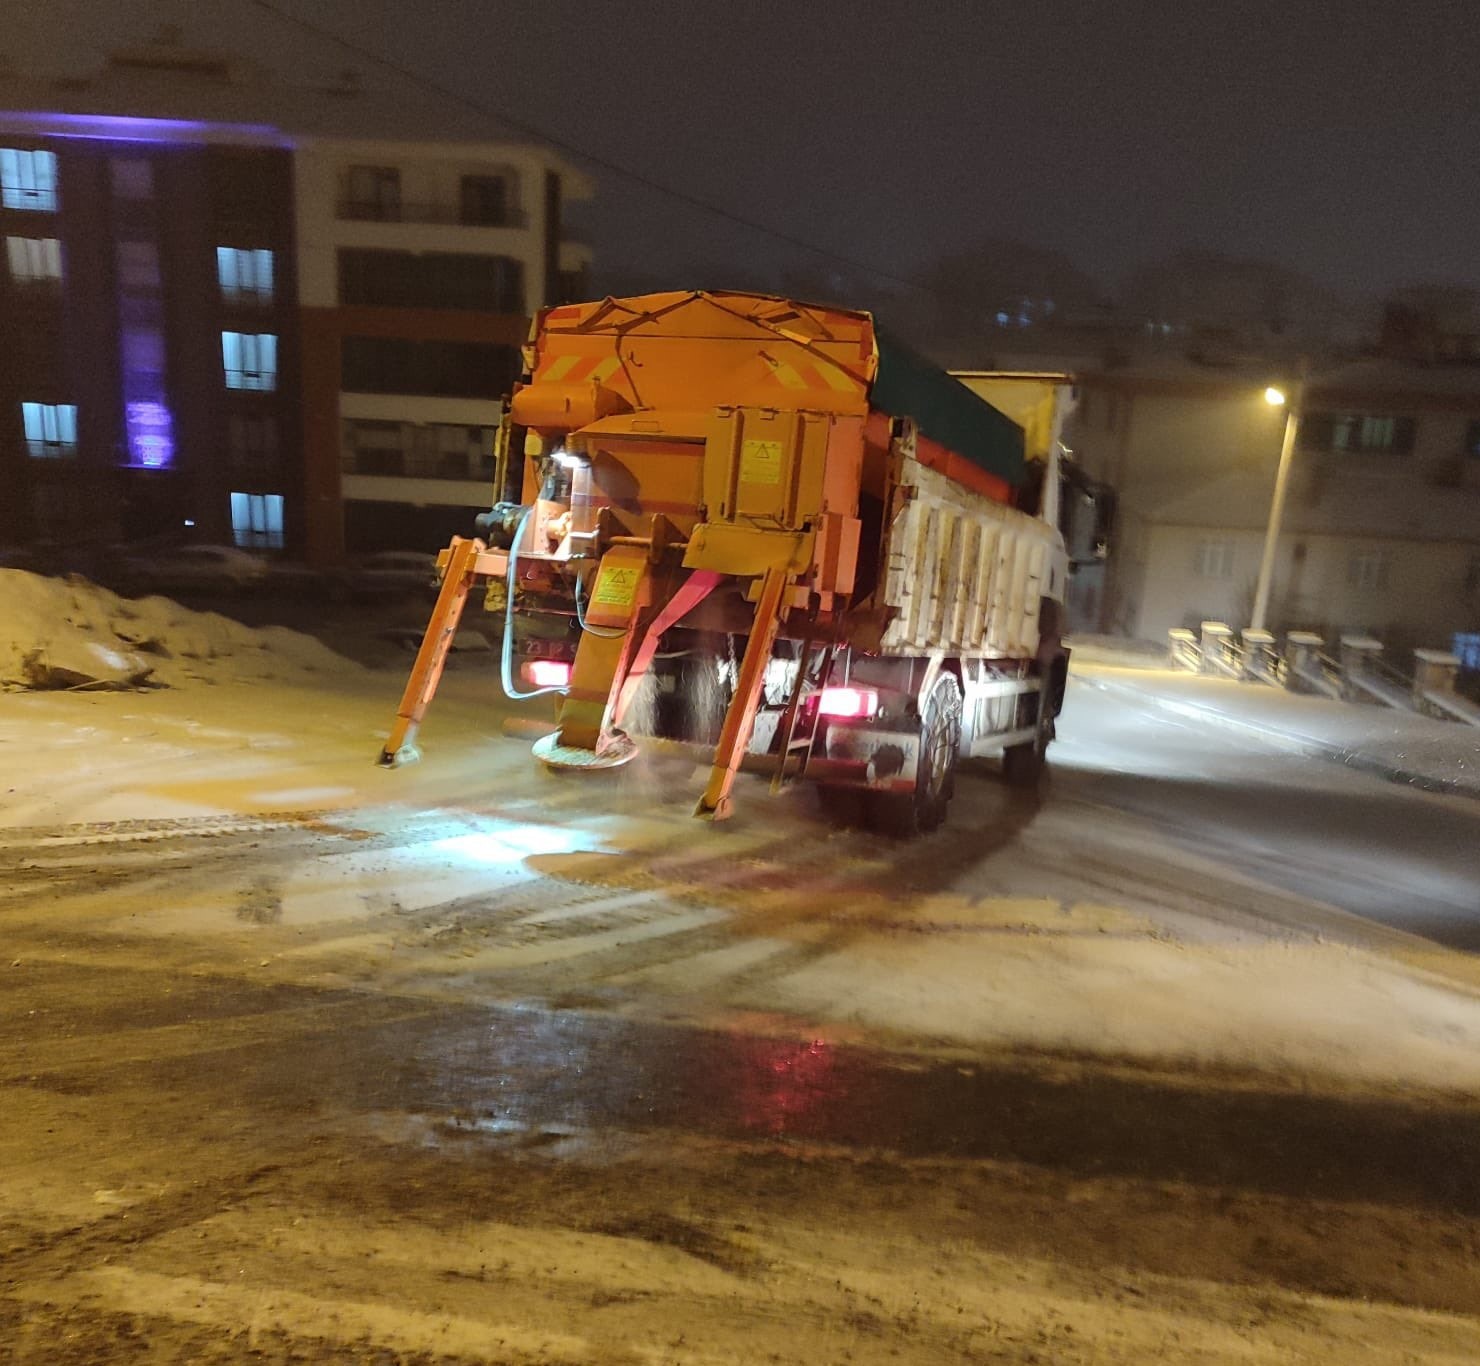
x=658 y=400
x=431 y=658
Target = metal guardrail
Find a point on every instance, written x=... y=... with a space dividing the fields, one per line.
x=1386 y=671
x=1454 y=706
x=1186 y=652
x=1303 y=667
x=1359 y=674
x=1379 y=689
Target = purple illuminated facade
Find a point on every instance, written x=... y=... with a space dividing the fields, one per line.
x=129 y=332
x=124 y=128
x=151 y=435
x=176 y=364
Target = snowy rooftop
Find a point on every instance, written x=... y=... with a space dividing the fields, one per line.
x=213 y=93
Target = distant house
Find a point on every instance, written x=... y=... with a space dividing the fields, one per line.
x=1382 y=529
x=240 y=310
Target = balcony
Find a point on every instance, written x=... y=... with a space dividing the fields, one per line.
x=402 y=464
x=363 y=211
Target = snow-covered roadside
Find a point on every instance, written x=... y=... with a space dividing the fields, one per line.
x=475 y=875
x=70 y=634
x=1437 y=756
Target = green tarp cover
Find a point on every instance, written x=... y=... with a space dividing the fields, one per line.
x=946 y=411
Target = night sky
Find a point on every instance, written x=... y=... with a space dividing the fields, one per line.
x=1339 y=138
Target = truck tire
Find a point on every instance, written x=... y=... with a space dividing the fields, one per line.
x=905 y=814
x=1023 y=765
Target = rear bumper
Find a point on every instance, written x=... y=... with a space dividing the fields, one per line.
x=862 y=756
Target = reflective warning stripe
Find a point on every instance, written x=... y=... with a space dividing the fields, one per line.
x=571 y=369
x=788 y=375
x=817 y=375
x=836 y=378
x=558 y=368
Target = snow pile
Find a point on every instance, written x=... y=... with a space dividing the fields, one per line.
x=69 y=633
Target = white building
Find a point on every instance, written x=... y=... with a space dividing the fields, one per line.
x=1382 y=529
x=420 y=265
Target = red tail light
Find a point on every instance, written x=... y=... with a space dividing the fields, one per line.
x=547 y=673
x=849 y=704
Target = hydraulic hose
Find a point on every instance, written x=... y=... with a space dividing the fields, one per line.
x=506 y=660
x=581 y=617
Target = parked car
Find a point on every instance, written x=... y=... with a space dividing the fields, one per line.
x=195 y=569
x=294 y=578
x=392 y=571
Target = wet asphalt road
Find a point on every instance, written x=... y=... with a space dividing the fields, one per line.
x=1399 y=857
x=171 y=1115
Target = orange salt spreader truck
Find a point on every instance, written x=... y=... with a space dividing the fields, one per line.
x=761 y=526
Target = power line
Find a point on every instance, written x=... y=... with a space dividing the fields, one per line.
x=616 y=168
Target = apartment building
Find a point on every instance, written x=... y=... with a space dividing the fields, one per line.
x=241 y=311
x=1381 y=532
x=420 y=266
x=146 y=297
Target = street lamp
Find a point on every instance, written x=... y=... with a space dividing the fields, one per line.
x=1276 y=398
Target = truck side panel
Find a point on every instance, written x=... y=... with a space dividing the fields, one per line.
x=965 y=574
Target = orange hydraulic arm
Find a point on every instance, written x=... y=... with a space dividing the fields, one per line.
x=431 y=658
x=680 y=441
x=740 y=719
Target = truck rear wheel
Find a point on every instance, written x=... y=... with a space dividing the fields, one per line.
x=1023 y=765
x=921 y=810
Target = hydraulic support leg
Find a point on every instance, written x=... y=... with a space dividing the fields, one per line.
x=740 y=718
x=431 y=658
x=698 y=586
x=587 y=734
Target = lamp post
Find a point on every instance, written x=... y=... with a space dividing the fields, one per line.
x=1276 y=397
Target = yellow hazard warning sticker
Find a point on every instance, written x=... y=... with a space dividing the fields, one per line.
x=760 y=462
x=617 y=587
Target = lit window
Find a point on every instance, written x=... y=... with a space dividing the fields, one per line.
x=1367 y=570
x=257 y=520
x=245 y=274
x=250 y=359
x=51 y=429
x=1213 y=559
x=28 y=180
x=34 y=259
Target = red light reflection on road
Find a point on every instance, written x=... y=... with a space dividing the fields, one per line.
x=781 y=1081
